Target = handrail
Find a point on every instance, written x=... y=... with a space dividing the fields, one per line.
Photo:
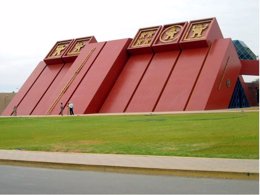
x=65 y=88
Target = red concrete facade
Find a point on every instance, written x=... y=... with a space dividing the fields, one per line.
x=175 y=67
x=250 y=67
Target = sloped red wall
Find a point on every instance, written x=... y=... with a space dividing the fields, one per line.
x=213 y=90
x=91 y=93
x=175 y=67
x=180 y=85
x=24 y=90
x=73 y=77
x=39 y=89
x=153 y=82
x=126 y=84
x=41 y=106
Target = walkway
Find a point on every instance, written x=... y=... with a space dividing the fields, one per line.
x=181 y=166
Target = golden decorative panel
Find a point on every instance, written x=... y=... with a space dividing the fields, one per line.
x=77 y=48
x=144 y=38
x=171 y=33
x=197 y=30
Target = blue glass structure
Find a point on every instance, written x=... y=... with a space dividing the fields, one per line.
x=243 y=51
x=238 y=99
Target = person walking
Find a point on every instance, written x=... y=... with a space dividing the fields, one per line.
x=14 y=111
x=71 y=107
x=61 y=109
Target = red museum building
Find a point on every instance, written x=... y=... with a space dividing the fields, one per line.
x=175 y=67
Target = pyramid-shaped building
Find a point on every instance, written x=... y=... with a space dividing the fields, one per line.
x=175 y=67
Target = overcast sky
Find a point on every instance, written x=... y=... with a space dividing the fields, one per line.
x=29 y=28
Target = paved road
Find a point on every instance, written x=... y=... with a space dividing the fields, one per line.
x=28 y=180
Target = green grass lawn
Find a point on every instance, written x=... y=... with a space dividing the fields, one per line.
x=224 y=135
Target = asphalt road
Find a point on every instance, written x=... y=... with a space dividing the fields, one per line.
x=28 y=180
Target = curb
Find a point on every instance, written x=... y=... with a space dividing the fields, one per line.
x=135 y=170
